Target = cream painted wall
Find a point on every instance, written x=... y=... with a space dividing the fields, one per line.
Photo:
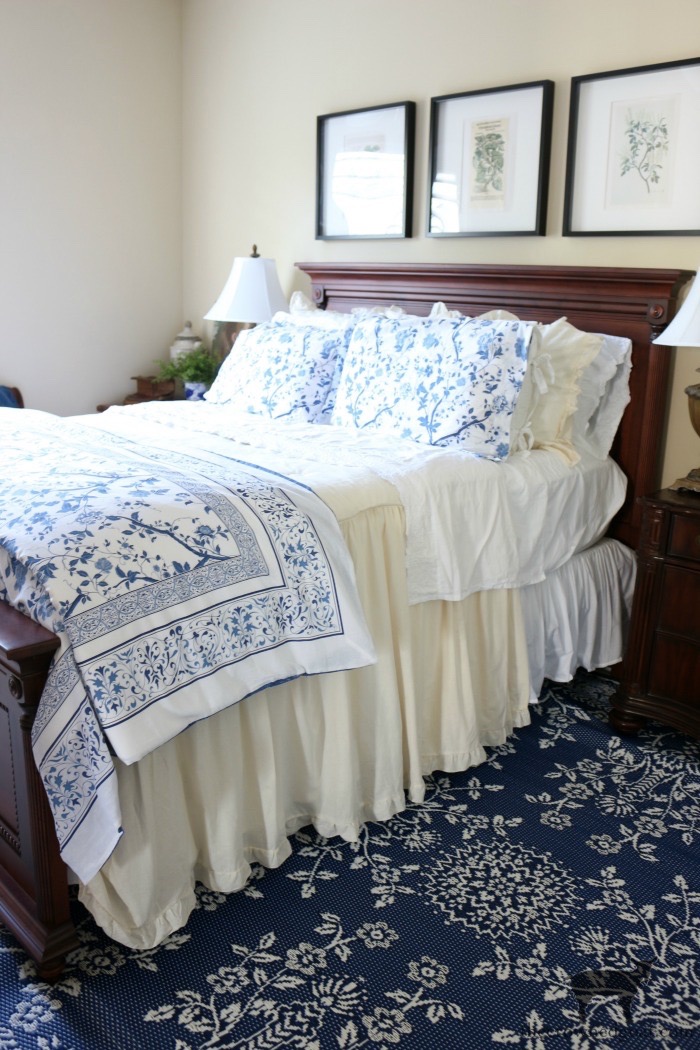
x=90 y=195
x=258 y=72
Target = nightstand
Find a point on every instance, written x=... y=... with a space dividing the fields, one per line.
x=660 y=675
x=148 y=388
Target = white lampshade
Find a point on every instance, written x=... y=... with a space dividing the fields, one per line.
x=251 y=294
x=684 y=329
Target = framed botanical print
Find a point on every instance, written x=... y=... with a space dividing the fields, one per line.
x=489 y=161
x=634 y=152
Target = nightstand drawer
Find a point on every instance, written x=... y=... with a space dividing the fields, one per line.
x=684 y=537
x=679 y=602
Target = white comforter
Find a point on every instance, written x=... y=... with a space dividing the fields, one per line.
x=471 y=524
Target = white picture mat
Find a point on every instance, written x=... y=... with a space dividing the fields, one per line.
x=375 y=203
x=598 y=201
x=520 y=111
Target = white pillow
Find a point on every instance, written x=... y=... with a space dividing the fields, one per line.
x=441 y=310
x=438 y=310
x=543 y=416
x=443 y=381
x=284 y=371
x=303 y=311
x=604 y=395
x=301 y=304
x=499 y=315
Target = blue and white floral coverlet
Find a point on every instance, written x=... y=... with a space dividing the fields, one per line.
x=179 y=581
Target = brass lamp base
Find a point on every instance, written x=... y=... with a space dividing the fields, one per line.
x=692 y=482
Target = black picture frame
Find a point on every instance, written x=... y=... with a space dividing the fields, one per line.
x=364 y=172
x=633 y=152
x=489 y=161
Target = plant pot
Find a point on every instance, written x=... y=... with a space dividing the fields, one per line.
x=195 y=391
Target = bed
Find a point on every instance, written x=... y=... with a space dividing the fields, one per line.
x=437 y=676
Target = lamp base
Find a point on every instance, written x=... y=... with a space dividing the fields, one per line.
x=691 y=484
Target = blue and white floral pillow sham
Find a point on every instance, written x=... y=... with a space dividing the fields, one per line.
x=445 y=381
x=283 y=371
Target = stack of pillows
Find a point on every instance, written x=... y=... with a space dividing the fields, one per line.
x=490 y=385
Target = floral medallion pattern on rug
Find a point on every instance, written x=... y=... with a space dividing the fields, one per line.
x=547 y=899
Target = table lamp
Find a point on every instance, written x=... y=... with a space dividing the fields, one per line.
x=251 y=294
x=684 y=330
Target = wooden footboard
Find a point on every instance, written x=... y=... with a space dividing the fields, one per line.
x=33 y=879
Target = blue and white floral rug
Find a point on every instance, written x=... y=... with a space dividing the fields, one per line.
x=548 y=899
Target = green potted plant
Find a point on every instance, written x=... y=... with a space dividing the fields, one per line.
x=196 y=369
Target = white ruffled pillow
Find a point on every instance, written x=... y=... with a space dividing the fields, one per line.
x=601 y=392
x=302 y=310
x=443 y=381
x=603 y=397
x=284 y=371
x=543 y=416
x=441 y=310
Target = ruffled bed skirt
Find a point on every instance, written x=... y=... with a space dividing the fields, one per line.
x=579 y=615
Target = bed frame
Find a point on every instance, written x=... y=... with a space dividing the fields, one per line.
x=637 y=303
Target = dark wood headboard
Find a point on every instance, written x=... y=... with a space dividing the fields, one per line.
x=637 y=303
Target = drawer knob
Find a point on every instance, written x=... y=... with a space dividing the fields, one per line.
x=16 y=688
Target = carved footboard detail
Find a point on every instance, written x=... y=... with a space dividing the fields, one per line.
x=33 y=881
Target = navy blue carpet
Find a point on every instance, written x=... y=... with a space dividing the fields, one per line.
x=548 y=899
